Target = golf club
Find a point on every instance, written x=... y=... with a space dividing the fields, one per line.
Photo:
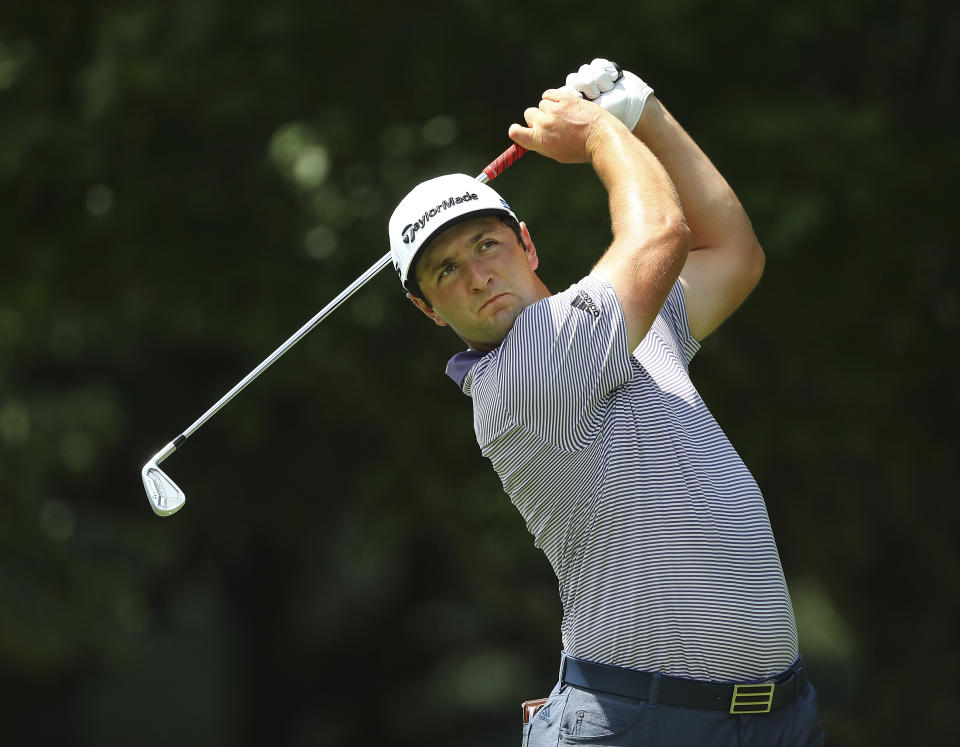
x=165 y=496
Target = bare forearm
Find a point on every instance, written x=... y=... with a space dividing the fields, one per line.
x=643 y=200
x=729 y=261
x=714 y=214
x=650 y=237
x=726 y=260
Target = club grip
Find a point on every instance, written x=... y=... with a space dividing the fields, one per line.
x=504 y=161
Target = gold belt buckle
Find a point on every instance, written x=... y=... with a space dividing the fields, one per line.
x=752 y=698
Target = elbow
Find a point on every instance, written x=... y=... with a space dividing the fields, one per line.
x=679 y=236
x=756 y=262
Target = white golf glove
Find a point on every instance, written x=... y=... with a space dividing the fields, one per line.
x=618 y=91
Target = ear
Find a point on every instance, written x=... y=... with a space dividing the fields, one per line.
x=529 y=249
x=427 y=309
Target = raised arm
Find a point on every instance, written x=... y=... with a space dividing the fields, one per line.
x=650 y=237
x=725 y=261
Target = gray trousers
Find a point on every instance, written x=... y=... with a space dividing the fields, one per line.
x=573 y=715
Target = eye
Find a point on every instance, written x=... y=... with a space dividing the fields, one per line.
x=445 y=271
x=487 y=244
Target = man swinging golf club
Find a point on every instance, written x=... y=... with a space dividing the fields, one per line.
x=677 y=624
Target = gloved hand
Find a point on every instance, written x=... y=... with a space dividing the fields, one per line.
x=618 y=91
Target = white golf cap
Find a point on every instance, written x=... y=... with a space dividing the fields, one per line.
x=432 y=206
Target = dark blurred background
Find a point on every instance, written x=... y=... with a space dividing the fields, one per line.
x=185 y=183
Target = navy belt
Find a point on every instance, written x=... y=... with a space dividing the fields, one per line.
x=737 y=698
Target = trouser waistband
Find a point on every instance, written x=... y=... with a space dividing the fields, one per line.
x=737 y=698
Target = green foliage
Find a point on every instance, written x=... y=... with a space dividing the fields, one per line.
x=185 y=183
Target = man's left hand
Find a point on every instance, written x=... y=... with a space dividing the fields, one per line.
x=618 y=91
x=594 y=79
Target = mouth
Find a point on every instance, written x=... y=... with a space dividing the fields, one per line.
x=491 y=300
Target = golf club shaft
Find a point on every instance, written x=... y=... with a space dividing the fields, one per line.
x=492 y=171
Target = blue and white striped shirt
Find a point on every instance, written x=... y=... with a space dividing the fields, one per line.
x=656 y=530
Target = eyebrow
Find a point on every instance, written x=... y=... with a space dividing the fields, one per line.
x=446 y=258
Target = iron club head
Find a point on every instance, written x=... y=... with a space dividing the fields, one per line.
x=163 y=493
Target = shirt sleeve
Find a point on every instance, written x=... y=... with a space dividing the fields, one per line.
x=564 y=355
x=673 y=315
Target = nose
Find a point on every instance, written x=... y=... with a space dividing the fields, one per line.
x=480 y=275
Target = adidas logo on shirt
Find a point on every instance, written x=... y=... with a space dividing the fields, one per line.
x=583 y=302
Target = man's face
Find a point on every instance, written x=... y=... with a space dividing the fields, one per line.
x=478 y=278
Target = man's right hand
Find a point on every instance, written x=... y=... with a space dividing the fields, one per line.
x=563 y=127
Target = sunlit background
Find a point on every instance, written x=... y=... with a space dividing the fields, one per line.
x=185 y=183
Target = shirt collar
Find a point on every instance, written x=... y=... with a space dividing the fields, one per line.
x=459 y=366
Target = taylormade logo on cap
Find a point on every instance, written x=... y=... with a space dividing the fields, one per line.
x=430 y=208
x=409 y=232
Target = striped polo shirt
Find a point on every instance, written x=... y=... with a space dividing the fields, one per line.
x=655 y=528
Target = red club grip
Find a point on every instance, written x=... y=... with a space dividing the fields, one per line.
x=504 y=161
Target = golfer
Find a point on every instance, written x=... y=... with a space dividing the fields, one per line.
x=677 y=624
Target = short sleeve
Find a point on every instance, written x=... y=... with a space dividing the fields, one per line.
x=674 y=317
x=563 y=357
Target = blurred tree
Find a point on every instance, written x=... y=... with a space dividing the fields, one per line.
x=184 y=183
